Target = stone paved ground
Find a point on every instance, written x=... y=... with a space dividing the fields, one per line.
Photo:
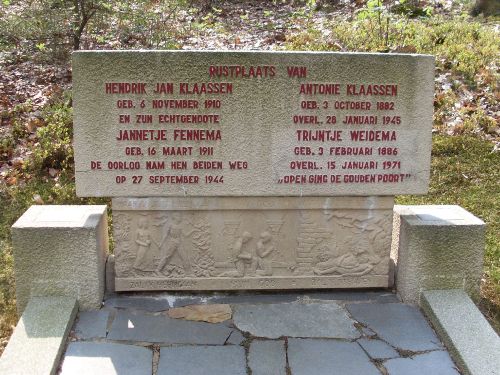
x=310 y=333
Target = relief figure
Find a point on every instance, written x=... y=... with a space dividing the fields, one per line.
x=356 y=263
x=170 y=244
x=245 y=262
x=264 y=258
x=143 y=241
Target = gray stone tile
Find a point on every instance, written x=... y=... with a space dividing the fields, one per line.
x=402 y=326
x=151 y=304
x=202 y=360
x=377 y=349
x=91 y=324
x=437 y=362
x=295 y=320
x=236 y=338
x=89 y=358
x=253 y=298
x=362 y=296
x=267 y=357
x=327 y=357
x=137 y=326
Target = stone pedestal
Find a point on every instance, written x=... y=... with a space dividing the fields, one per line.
x=252 y=243
x=436 y=247
x=61 y=251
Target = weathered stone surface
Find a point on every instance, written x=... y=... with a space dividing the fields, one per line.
x=327 y=320
x=202 y=360
x=437 y=247
x=213 y=313
x=473 y=344
x=91 y=324
x=252 y=243
x=269 y=160
x=39 y=337
x=325 y=357
x=135 y=326
x=236 y=338
x=110 y=274
x=137 y=302
x=267 y=357
x=436 y=362
x=89 y=358
x=61 y=251
x=402 y=326
x=377 y=349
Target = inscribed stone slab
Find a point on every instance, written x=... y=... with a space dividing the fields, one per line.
x=90 y=358
x=327 y=320
x=184 y=123
x=327 y=357
x=202 y=360
x=251 y=243
x=135 y=326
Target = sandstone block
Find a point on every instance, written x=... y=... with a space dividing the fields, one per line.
x=437 y=247
x=61 y=251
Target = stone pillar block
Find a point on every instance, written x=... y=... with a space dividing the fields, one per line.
x=61 y=251
x=436 y=247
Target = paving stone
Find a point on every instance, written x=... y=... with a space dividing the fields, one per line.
x=267 y=357
x=151 y=304
x=378 y=297
x=402 y=326
x=138 y=326
x=236 y=338
x=295 y=320
x=327 y=357
x=377 y=349
x=202 y=360
x=89 y=358
x=473 y=344
x=368 y=332
x=39 y=337
x=437 y=362
x=91 y=324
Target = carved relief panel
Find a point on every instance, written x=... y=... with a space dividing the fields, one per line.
x=174 y=246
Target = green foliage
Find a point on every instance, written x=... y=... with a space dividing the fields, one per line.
x=54 y=149
x=466 y=48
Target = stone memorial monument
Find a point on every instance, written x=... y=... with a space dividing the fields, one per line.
x=251 y=170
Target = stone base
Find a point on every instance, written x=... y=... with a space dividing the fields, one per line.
x=437 y=247
x=61 y=251
x=252 y=243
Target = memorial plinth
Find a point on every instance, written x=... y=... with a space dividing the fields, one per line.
x=251 y=170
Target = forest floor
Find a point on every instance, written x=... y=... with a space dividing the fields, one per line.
x=36 y=155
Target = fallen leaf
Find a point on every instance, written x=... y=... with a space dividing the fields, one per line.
x=38 y=199
x=202 y=313
x=53 y=172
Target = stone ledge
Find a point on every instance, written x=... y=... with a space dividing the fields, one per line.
x=472 y=342
x=39 y=337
